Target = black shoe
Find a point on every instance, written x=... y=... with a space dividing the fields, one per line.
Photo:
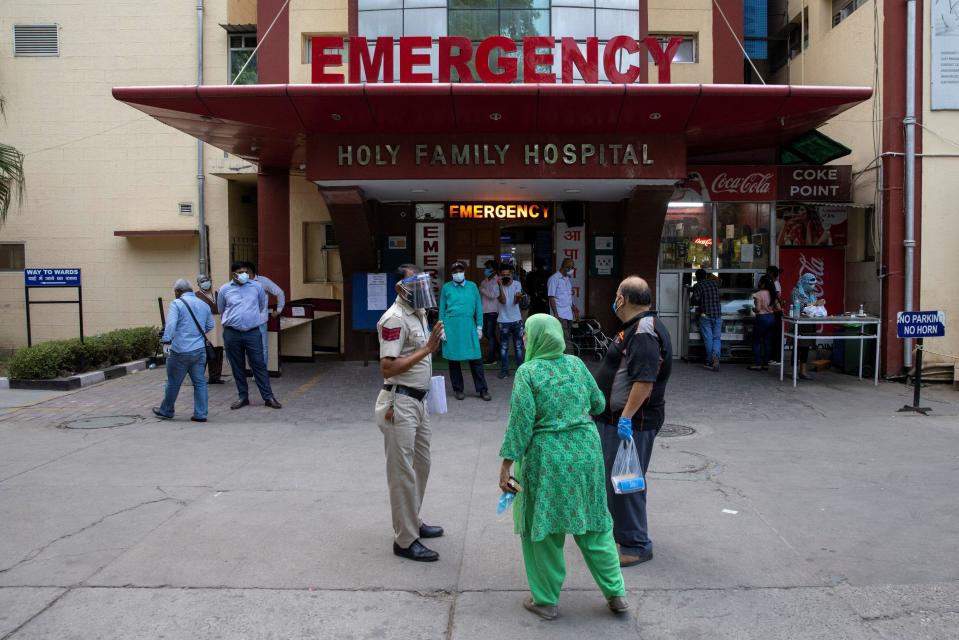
x=459 y=395
x=273 y=403
x=416 y=552
x=249 y=373
x=195 y=419
x=631 y=559
x=485 y=395
x=239 y=404
x=503 y=375
x=161 y=416
x=216 y=381
x=429 y=531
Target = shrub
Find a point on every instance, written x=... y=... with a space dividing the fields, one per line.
x=66 y=357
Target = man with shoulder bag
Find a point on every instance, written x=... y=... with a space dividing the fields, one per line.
x=187 y=323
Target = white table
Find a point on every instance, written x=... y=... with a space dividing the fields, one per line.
x=796 y=323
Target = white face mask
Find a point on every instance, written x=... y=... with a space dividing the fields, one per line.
x=459 y=276
x=243 y=278
x=206 y=285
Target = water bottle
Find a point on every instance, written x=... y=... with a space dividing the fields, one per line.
x=795 y=310
x=862 y=311
x=505 y=501
x=630 y=484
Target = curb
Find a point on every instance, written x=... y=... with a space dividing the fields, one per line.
x=80 y=380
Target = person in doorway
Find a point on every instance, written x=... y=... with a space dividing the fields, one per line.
x=804 y=293
x=776 y=334
x=559 y=460
x=206 y=293
x=489 y=293
x=274 y=290
x=242 y=303
x=537 y=288
x=406 y=362
x=559 y=291
x=510 y=319
x=765 y=304
x=462 y=314
x=633 y=377
x=705 y=295
x=187 y=322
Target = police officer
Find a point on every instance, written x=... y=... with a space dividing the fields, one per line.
x=406 y=348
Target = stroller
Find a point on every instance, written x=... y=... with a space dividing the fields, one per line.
x=586 y=336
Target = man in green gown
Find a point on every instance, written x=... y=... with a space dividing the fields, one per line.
x=461 y=311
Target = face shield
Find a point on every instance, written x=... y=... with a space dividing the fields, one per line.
x=418 y=290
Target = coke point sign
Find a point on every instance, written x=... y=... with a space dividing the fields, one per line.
x=767 y=183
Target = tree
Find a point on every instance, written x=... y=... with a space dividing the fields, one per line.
x=11 y=175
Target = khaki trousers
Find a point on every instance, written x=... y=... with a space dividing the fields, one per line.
x=407 y=443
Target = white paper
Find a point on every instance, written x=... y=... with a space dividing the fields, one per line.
x=747 y=252
x=730 y=231
x=436 y=398
x=376 y=292
x=730 y=511
x=298 y=312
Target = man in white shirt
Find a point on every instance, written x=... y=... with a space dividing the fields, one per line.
x=489 y=293
x=560 y=292
x=271 y=289
x=510 y=319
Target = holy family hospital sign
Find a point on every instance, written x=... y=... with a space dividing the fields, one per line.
x=493 y=60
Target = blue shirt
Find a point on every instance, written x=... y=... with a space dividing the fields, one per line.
x=274 y=290
x=509 y=311
x=241 y=305
x=181 y=332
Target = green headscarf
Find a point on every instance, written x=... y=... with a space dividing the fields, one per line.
x=544 y=337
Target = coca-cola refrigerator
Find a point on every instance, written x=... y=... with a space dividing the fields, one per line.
x=828 y=264
x=738 y=321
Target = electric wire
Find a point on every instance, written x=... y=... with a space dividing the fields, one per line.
x=738 y=41
x=260 y=43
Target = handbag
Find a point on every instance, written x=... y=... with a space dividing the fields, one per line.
x=210 y=349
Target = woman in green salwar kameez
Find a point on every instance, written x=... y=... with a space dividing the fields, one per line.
x=559 y=466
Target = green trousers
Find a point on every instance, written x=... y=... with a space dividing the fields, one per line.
x=546 y=565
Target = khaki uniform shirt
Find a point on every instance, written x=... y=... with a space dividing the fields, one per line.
x=402 y=331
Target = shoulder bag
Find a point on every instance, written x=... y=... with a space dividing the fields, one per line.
x=210 y=349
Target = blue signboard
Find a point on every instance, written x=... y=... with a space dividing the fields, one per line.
x=55 y=277
x=921 y=324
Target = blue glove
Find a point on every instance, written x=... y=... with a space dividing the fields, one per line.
x=625 y=428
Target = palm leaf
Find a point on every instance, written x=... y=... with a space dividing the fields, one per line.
x=11 y=175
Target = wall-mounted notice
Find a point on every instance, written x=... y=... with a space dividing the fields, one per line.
x=376 y=292
x=944 y=75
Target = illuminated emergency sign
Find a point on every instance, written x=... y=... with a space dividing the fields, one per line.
x=505 y=211
x=496 y=59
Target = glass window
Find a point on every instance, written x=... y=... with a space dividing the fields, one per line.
x=617 y=22
x=475 y=25
x=373 y=5
x=11 y=256
x=742 y=231
x=241 y=48
x=616 y=4
x=424 y=22
x=686 y=52
x=373 y=24
x=687 y=241
x=573 y=22
x=516 y=23
x=422 y=4
x=479 y=19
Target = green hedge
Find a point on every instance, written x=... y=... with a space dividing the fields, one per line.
x=66 y=357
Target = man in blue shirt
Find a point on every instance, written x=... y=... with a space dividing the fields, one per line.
x=186 y=336
x=242 y=303
x=510 y=319
x=272 y=289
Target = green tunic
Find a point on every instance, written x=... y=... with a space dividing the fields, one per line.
x=550 y=430
x=461 y=311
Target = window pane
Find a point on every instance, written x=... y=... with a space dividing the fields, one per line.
x=249 y=41
x=373 y=24
x=573 y=3
x=11 y=257
x=424 y=22
x=574 y=23
x=472 y=4
x=524 y=4
x=415 y=4
x=687 y=241
x=743 y=236
x=475 y=25
x=616 y=4
x=236 y=42
x=237 y=60
x=617 y=22
x=368 y=5
x=518 y=23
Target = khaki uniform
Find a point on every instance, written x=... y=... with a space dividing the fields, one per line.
x=402 y=331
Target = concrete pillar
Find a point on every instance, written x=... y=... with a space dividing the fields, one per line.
x=273 y=226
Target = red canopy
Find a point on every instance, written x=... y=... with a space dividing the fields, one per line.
x=268 y=124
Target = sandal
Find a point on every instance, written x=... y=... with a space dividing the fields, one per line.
x=546 y=612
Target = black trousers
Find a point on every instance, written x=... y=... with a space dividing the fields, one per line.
x=476 y=368
x=630 y=529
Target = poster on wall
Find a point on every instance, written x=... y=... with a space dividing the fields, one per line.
x=571 y=243
x=431 y=251
x=808 y=225
x=944 y=75
x=828 y=264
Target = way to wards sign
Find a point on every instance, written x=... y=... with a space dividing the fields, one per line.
x=55 y=277
x=919 y=325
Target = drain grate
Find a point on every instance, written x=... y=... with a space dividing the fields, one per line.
x=672 y=430
x=101 y=422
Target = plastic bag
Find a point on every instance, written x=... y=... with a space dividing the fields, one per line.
x=815 y=311
x=627 y=476
x=505 y=501
x=436 y=398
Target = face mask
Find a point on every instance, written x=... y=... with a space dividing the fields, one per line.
x=459 y=276
x=206 y=285
x=487 y=272
x=505 y=279
x=615 y=308
x=243 y=278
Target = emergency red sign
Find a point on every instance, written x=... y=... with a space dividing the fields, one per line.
x=492 y=61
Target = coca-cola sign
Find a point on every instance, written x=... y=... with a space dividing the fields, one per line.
x=828 y=264
x=745 y=183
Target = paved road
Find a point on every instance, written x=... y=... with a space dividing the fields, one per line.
x=811 y=513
